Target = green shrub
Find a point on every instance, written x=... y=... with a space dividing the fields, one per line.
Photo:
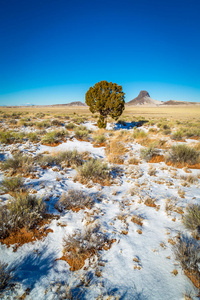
x=183 y=154
x=26 y=211
x=56 y=122
x=5 y=276
x=139 y=134
x=81 y=132
x=94 y=169
x=178 y=135
x=5 y=224
x=166 y=131
x=43 y=124
x=6 y=137
x=149 y=152
x=19 y=162
x=13 y=184
x=191 y=218
x=99 y=138
x=54 y=136
x=69 y=158
x=70 y=126
x=33 y=136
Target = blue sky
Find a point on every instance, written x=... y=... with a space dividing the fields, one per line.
x=52 y=51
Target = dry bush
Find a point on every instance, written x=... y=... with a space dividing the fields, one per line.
x=133 y=161
x=187 y=252
x=150 y=202
x=70 y=126
x=183 y=154
x=148 y=153
x=26 y=211
x=81 y=133
x=191 y=218
x=115 y=151
x=65 y=158
x=152 y=171
x=99 y=139
x=33 y=136
x=54 y=137
x=178 y=135
x=6 y=137
x=5 y=276
x=137 y=220
x=19 y=163
x=95 y=170
x=56 y=122
x=5 y=225
x=74 y=200
x=13 y=184
x=80 y=246
x=189 y=178
x=139 y=134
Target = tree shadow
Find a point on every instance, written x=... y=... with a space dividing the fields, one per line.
x=128 y=125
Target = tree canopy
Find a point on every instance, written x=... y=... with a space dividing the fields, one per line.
x=107 y=98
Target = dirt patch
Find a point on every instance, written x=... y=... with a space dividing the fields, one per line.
x=157 y=159
x=194 y=277
x=183 y=165
x=54 y=144
x=99 y=145
x=23 y=236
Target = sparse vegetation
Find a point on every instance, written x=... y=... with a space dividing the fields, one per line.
x=187 y=253
x=149 y=152
x=19 y=163
x=183 y=154
x=95 y=170
x=5 y=276
x=26 y=211
x=74 y=200
x=14 y=184
x=191 y=218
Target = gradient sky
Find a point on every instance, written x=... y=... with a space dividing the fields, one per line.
x=52 y=51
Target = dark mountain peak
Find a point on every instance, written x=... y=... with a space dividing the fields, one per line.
x=143 y=94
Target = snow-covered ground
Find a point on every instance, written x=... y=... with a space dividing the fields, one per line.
x=139 y=264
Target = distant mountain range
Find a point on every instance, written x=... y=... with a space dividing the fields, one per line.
x=144 y=99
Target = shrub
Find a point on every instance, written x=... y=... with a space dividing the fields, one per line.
x=54 y=136
x=19 y=162
x=178 y=135
x=5 y=225
x=69 y=158
x=149 y=152
x=81 y=132
x=5 y=275
x=80 y=246
x=70 y=126
x=99 y=138
x=139 y=134
x=183 y=154
x=14 y=184
x=95 y=170
x=43 y=124
x=74 y=200
x=26 y=211
x=56 y=122
x=33 y=136
x=191 y=218
x=115 y=151
x=187 y=253
x=6 y=137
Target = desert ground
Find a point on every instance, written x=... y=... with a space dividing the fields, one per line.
x=88 y=213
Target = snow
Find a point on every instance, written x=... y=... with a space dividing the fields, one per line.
x=36 y=265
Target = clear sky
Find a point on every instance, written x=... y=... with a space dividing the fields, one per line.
x=52 y=51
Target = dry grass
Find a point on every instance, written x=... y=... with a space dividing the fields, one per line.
x=5 y=276
x=74 y=200
x=115 y=151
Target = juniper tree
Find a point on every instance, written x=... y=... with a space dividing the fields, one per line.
x=107 y=98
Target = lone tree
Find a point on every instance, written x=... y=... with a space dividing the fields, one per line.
x=107 y=98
